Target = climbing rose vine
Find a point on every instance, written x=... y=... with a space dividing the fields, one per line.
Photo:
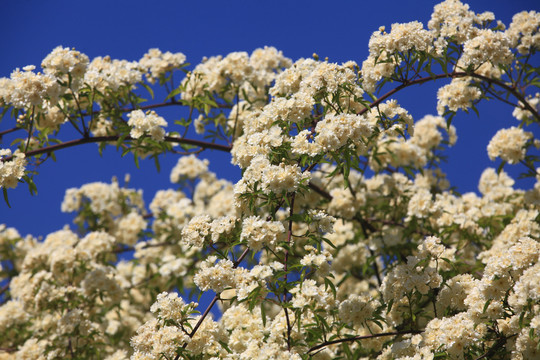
x=342 y=239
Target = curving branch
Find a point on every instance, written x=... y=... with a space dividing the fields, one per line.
x=452 y=75
x=212 y=303
x=8 y=131
x=356 y=338
x=511 y=90
x=227 y=148
x=110 y=138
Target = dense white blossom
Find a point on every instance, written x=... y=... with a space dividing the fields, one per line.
x=158 y=63
x=146 y=124
x=64 y=63
x=458 y=95
x=523 y=31
x=509 y=144
x=342 y=236
x=106 y=73
x=189 y=167
x=26 y=88
x=487 y=45
x=11 y=171
x=258 y=232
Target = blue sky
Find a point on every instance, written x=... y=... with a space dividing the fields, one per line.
x=127 y=29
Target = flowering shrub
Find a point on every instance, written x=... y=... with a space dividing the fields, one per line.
x=343 y=238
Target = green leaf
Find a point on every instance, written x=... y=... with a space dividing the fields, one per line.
x=329 y=243
x=295 y=217
x=330 y=284
x=182 y=122
x=263 y=313
x=173 y=93
x=500 y=167
x=486 y=305
x=32 y=186
x=390 y=303
x=5 y=109
x=156 y=161
x=149 y=89
x=4 y=190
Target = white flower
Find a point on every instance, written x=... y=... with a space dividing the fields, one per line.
x=509 y=144
x=196 y=231
x=11 y=171
x=25 y=88
x=158 y=63
x=189 y=167
x=258 y=232
x=63 y=61
x=357 y=309
x=487 y=45
x=146 y=124
x=458 y=95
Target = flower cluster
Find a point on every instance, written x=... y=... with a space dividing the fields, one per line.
x=65 y=63
x=11 y=171
x=402 y=38
x=237 y=74
x=357 y=309
x=271 y=178
x=509 y=144
x=341 y=237
x=260 y=233
x=66 y=283
x=523 y=31
x=486 y=46
x=25 y=89
x=334 y=131
x=158 y=63
x=458 y=95
x=189 y=167
x=146 y=124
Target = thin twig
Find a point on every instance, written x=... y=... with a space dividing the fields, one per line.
x=145 y=107
x=356 y=338
x=30 y=130
x=499 y=343
x=212 y=303
x=285 y=263
x=8 y=131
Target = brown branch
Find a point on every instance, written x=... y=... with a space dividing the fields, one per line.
x=216 y=298
x=355 y=338
x=145 y=107
x=407 y=84
x=455 y=74
x=498 y=344
x=5 y=132
x=110 y=138
x=212 y=303
x=285 y=261
x=204 y=315
x=511 y=90
x=153 y=106
x=31 y=130
x=319 y=191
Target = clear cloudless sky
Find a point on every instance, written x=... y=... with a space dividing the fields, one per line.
x=339 y=30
